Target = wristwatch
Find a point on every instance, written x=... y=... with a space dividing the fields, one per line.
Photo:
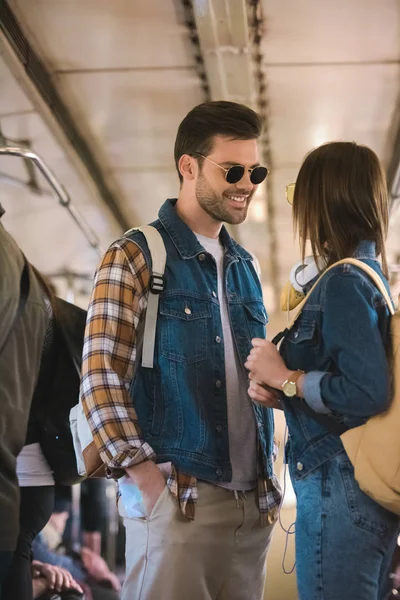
x=289 y=386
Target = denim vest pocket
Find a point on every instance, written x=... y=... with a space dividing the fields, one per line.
x=256 y=315
x=365 y=513
x=184 y=328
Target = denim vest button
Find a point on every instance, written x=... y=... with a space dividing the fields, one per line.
x=219 y=472
x=202 y=257
x=214 y=295
x=218 y=383
x=218 y=339
x=219 y=428
x=299 y=466
x=296 y=335
x=188 y=311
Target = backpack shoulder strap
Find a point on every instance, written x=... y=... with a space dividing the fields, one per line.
x=158 y=255
x=357 y=263
x=377 y=279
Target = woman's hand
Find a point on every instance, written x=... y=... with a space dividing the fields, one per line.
x=266 y=397
x=266 y=365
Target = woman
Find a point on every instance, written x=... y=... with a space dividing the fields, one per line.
x=335 y=358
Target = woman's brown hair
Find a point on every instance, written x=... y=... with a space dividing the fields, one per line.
x=339 y=200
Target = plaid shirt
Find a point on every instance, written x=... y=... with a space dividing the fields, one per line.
x=118 y=300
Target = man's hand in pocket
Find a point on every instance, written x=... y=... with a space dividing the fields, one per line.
x=150 y=481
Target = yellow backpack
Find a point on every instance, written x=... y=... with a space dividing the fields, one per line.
x=374 y=448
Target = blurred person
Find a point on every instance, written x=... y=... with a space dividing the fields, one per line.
x=35 y=476
x=85 y=565
x=199 y=498
x=22 y=328
x=93 y=513
x=51 y=582
x=334 y=360
x=36 y=460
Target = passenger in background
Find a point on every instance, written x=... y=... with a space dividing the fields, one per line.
x=34 y=473
x=335 y=359
x=86 y=566
x=23 y=321
x=93 y=513
x=196 y=452
x=54 y=583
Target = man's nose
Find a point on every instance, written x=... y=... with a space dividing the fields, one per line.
x=245 y=183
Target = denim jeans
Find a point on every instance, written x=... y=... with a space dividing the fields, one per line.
x=344 y=540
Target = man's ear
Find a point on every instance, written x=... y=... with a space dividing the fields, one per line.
x=188 y=167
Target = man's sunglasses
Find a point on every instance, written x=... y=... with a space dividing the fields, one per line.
x=235 y=173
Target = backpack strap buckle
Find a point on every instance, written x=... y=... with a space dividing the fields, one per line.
x=157 y=283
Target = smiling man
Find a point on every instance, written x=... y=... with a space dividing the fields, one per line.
x=194 y=447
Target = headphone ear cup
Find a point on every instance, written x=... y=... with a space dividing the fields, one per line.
x=290 y=298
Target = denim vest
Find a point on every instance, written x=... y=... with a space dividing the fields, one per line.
x=352 y=349
x=181 y=403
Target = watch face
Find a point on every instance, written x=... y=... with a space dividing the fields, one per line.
x=290 y=389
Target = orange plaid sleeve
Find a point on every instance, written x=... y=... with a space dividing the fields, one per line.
x=109 y=355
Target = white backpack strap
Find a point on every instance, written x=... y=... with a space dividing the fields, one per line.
x=158 y=255
x=357 y=263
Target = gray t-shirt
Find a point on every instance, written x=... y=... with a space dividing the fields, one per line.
x=241 y=419
x=19 y=366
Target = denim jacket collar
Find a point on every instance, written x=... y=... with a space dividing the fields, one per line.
x=366 y=249
x=185 y=240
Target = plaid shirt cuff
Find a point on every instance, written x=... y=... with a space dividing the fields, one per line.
x=128 y=458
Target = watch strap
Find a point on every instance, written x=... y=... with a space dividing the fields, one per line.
x=295 y=376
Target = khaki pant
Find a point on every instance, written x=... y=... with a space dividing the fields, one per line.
x=221 y=555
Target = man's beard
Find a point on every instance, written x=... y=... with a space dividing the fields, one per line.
x=216 y=205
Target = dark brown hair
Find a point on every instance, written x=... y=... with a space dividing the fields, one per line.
x=197 y=131
x=339 y=200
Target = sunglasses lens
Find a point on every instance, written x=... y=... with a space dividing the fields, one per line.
x=258 y=175
x=235 y=174
x=290 y=192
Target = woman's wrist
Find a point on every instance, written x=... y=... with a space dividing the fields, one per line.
x=300 y=386
x=285 y=376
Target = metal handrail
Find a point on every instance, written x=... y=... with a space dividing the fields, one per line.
x=58 y=190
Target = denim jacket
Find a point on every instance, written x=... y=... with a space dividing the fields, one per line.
x=339 y=341
x=181 y=403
